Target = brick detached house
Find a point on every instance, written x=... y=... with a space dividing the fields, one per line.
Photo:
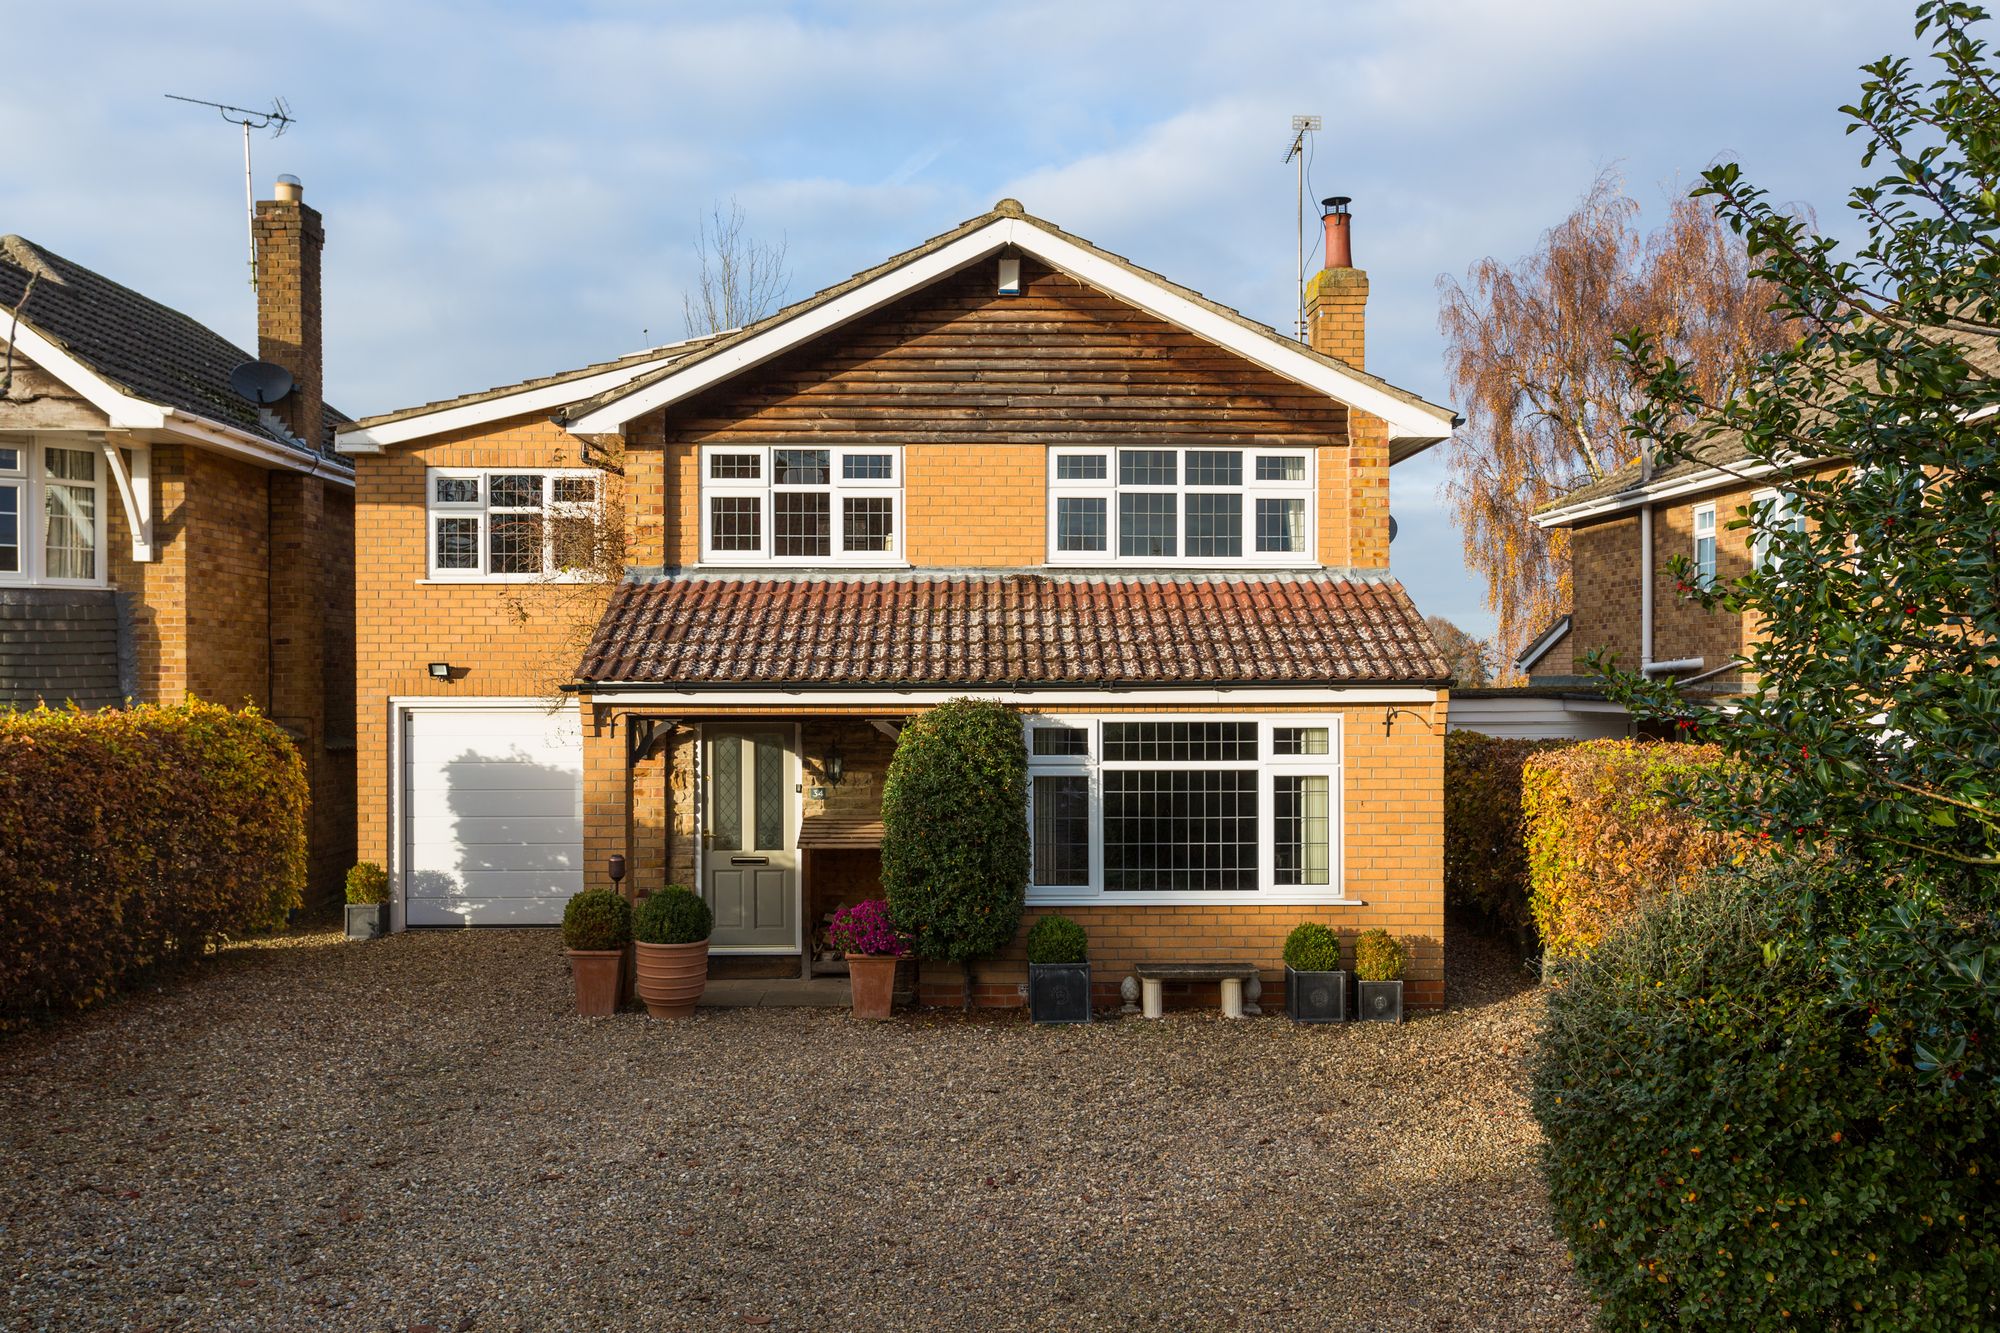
x=162 y=536
x=1005 y=463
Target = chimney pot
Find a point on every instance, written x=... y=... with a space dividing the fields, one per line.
x=1339 y=245
x=289 y=190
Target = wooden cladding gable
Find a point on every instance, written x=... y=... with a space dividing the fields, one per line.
x=1062 y=363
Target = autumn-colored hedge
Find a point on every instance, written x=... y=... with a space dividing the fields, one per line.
x=1606 y=835
x=1485 y=856
x=138 y=836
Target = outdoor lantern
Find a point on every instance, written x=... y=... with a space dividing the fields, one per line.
x=616 y=865
x=836 y=766
x=440 y=670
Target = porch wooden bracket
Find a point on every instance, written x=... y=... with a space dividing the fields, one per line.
x=645 y=736
x=135 y=492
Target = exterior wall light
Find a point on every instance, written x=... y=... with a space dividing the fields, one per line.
x=440 y=670
x=836 y=767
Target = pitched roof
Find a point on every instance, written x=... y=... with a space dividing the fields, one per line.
x=1008 y=223
x=136 y=344
x=983 y=629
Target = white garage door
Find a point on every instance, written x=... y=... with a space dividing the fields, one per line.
x=492 y=815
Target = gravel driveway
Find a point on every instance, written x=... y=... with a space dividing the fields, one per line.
x=411 y=1133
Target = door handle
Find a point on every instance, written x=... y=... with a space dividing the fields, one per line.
x=749 y=860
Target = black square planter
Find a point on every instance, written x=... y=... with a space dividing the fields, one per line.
x=1379 y=1001
x=367 y=921
x=1059 y=992
x=1315 y=997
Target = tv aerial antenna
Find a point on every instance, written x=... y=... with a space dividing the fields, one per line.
x=1301 y=127
x=277 y=119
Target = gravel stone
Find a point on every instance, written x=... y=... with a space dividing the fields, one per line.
x=415 y=1132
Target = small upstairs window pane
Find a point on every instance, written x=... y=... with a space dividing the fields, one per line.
x=868 y=467
x=736 y=467
x=1214 y=467
x=1146 y=467
x=801 y=467
x=1281 y=467
x=515 y=490
x=458 y=490
x=575 y=490
x=1061 y=742
x=1081 y=467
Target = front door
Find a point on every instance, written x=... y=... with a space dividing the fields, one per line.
x=749 y=835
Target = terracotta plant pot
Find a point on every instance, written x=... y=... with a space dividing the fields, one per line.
x=671 y=977
x=872 y=978
x=595 y=972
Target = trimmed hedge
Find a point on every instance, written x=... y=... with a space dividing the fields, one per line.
x=1485 y=852
x=1379 y=956
x=1734 y=1146
x=367 y=884
x=1057 y=939
x=135 y=837
x=674 y=915
x=1313 y=946
x=597 y=921
x=955 y=830
x=1606 y=834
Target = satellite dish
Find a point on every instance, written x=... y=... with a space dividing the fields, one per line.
x=1392 y=527
x=262 y=382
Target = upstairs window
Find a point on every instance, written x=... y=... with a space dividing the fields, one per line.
x=52 y=513
x=1180 y=506
x=776 y=504
x=514 y=524
x=1704 y=546
x=1777 y=512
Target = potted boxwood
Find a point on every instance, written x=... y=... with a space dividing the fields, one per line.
x=367 y=902
x=872 y=945
x=1058 y=971
x=670 y=950
x=1315 y=986
x=597 y=925
x=1379 y=959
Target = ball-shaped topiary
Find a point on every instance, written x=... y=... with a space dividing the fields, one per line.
x=1379 y=956
x=1057 y=939
x=597 y=920
x=1313 y=947
x=672 y=916
x=955 y=830
x=367 y=885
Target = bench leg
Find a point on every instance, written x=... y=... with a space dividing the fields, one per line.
x=1152 y=1003
x=1232 y=997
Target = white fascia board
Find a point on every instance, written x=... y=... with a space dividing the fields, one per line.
x=1539 y=649
x=1268 y=350
x=547 y=398
x=1706 y=480
x=628 y=695
x=150 y=420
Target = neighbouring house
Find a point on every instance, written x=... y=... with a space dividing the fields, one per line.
x=163 y=536
x=1005 y=463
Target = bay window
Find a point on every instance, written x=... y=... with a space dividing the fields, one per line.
x=776 y=504
x=1133 y=809
x=1194 y=506
x=52 y=512
x=514 y=524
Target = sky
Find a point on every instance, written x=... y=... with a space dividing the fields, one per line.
x=515 y=189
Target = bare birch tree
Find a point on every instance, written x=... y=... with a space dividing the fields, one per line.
x=742 y=279
x=1531 y=352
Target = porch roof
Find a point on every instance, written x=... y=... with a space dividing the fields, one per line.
x=990 y=629
x=826 y=832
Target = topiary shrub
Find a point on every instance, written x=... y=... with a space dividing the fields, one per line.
x=1057 y=939
x=1732 y=1146
x=367 y=885
x=1379 y=956
x=597 y=920
x=139 y=836
x=1313 y=947
x=1609 y=830
x=955 y=831
x=672 y=916
x=1485 y=849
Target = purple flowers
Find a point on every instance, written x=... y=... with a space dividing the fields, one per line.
x=864 y=928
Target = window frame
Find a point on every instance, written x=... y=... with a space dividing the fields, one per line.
x=1777 y=508
x=30 y=482
x=837 y=487
x=1706 y=578
x=1109 y=489
x=1268 y=766
x=482 y=509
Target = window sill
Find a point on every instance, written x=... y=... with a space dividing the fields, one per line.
x=507 y=580
x=1189 y=898
x=802 y=566
x=1139 y=565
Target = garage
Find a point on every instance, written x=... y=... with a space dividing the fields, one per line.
x=492 y=813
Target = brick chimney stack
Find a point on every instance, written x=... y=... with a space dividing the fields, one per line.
x=289 y=238
x=1337 y=298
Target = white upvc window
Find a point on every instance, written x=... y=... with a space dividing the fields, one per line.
x=1775 y=512
x=513 y=525
x=1704 y=546
x=52 y=512
x=790 y=505
x=1184 y=809
x=1181 y=506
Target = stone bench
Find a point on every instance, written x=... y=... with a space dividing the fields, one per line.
x=1231 y=975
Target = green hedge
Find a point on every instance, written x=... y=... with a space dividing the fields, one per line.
x=1607 y=833
x=1485 y=854
x=133 y=837
x=1733 y=1146
x=955 y=830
